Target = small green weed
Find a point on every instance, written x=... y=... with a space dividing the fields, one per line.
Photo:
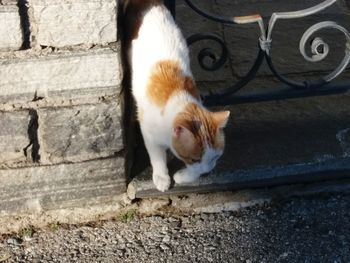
x=55 y=226
x=26 y=232
x=127 y=216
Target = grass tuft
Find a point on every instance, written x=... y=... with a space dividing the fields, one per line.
x=26 y=232
x=127 y=216
x=55 y=226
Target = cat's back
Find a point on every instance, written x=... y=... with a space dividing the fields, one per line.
x=159 y=32
x=157 y=38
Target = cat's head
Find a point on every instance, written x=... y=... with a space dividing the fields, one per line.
x=198 y=138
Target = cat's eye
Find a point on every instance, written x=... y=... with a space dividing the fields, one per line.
x=195 y=160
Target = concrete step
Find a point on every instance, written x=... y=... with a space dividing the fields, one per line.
x=271 y=143
x=334 y=169
x=40 y=188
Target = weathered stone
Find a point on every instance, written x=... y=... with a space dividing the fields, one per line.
x=63 y=75
x=65 y=23
x=8 y=2
x=80 y=133
x=149 y=206
x=41 y=188
x=10 y=28
x=13 y=136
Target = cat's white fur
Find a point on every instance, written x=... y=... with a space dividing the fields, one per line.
x=160 y=39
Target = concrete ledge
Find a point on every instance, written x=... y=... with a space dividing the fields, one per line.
x=10 y=28
x=42 y=188
x=60 y=75
x=80 y=133
x=332 y=169
x=66 y=23
x=277 y=142
x=104 y=208
x=235 y=200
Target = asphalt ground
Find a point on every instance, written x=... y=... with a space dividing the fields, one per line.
x=308 y=229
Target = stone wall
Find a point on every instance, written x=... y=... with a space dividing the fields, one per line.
x=60 y=112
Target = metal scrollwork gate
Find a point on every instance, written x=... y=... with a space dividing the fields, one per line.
x=292 y=89
x=270 y=145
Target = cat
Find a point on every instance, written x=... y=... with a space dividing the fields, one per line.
x=169 y=107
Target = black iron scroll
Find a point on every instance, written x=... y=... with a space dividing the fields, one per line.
x=292 y=89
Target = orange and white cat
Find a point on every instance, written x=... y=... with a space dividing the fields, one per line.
x=169 y=107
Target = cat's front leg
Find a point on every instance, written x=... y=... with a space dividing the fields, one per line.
x=160 y=175
x=186 y=175
x=161 y=180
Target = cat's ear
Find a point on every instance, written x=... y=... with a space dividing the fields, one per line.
x=183 y=140
x=221 y=118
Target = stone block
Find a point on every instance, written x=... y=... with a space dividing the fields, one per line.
x=42 y=188
x=80 y=133
x=13 y=136
x=66 y=23
x=93 y=73
x=10 y=28
x=8 y=2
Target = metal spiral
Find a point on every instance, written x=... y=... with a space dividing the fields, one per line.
x=208 y=58
x=320 y=49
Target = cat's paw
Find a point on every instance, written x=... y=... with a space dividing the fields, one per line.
x=183 y=177
x=162 y=182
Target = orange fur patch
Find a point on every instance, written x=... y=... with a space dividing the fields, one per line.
x=167 y=78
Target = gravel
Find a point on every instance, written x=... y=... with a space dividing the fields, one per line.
x=313 y=229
